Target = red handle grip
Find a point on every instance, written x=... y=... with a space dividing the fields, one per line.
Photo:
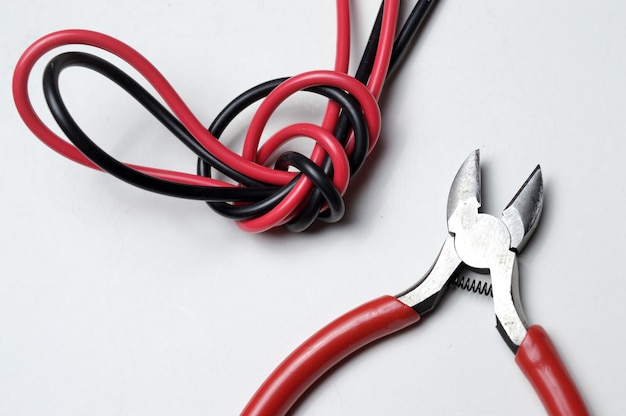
x=330 y=345
x=540 y=362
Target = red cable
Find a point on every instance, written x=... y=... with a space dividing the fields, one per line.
x=249 y=163
x=288 y=206
x=342 y=55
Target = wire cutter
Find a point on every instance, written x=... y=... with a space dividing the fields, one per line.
x=479 y=241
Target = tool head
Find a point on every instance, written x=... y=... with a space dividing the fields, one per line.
x=485 y=243
x=522 y=214
x=464 y=198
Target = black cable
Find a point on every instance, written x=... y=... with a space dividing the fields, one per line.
x=312 y=209
x=407 y=33
x=352 y=113
x=336 y=207
x=259 y=198
x=113 y=166
x=264 y=193
x=409 y=30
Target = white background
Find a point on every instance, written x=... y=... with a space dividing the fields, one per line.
x=115 y=301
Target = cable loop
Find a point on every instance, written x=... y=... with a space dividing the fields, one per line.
x=263 y=196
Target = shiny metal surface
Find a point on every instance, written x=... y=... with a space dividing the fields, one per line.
x=465 y=192
x=522 y=214
x=425 y=295
x=485 y=243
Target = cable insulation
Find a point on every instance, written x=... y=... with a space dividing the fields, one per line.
x=257 y=195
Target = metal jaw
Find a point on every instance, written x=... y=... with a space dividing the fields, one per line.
x=484 y=243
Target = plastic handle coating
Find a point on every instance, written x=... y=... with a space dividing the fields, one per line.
x=330 y=345
x=540 y=362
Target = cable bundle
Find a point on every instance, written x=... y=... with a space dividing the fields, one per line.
x=263 y=196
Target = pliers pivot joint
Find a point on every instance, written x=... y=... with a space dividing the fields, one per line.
x=485 y=243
